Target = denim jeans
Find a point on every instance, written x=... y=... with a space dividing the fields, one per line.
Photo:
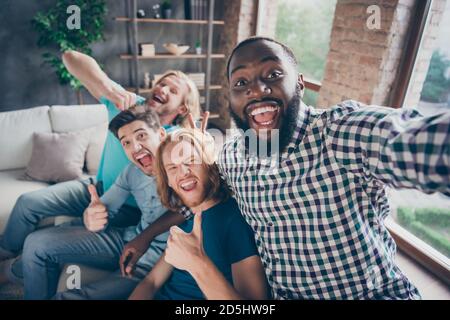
x=113 y=287
x=46 y=251
x=68 y=198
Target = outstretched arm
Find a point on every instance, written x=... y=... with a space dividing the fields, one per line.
x=398 y=147
x=87 y=70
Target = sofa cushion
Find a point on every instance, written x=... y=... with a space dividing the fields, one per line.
x=16 y=131
x=95 y=148
x=58 y=157
x=74 y=118
x=12 y=187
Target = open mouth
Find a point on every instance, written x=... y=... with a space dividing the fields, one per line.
x=158 y=99
x=188 y=184
x=264 y=114
x=145 y=159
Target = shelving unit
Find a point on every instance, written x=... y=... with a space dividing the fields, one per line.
x=137 y=59
x=171 y=56
x=150 y=20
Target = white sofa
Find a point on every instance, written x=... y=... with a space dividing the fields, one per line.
x=16 y=132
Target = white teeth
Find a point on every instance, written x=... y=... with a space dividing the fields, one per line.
x=266 y=123
x=158 y=98
x=187 y=184
x=262 y=110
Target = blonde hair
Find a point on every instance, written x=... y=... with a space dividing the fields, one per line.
x=204 y=145
x=191 y=100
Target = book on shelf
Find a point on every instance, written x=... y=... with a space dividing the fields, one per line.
x=196 y=9
x=147 y=49
x=187 y=9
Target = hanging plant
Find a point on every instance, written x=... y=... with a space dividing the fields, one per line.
x=56 y=37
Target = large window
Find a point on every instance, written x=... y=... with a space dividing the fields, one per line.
x=305 y=26
x=428 y=216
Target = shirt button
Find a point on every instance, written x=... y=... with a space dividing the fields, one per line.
x=261 y=188
x=270 y=224
x=277 y=259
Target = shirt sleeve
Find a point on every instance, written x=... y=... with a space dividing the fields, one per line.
x=399 y=147
x=117 y=194
x=240 y=243
x=186 y=212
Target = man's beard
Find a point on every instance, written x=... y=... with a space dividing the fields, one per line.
x=288 y=123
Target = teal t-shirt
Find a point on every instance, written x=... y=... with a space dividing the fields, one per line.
x=227 y=239
x=113 y=159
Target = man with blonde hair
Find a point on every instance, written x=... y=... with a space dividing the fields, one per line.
x=173 y=97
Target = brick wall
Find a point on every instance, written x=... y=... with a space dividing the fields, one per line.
x=363 y=64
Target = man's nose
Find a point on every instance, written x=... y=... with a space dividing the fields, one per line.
x=256 y=89
x=165 y=90
x=136 y=147
x=184 y=170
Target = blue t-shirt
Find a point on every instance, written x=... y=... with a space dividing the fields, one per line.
x=227 y=239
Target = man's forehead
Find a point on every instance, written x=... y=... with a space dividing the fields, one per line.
x=131 y=127
x=256 y=52
x=178 y=151
x=175 y=81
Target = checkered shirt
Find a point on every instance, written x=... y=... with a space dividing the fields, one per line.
x=318 y=214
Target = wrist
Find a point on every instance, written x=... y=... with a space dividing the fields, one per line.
x=200 y=266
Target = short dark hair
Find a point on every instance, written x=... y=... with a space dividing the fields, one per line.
x=141 y=112
x=285 y=48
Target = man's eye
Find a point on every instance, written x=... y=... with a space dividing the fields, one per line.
x=240 y=83
x=274 y=75
x=125 y=143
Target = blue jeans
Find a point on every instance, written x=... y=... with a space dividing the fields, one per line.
x=113 y=287
x=46 y=251
x=67 y=198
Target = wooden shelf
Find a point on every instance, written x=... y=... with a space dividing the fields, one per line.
x=175 y=21
x=143 y=90
x=171 y=56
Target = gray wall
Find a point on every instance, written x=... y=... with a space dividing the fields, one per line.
x=25 y=82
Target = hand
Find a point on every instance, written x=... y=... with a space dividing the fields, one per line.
x=95 y=217
x=122 y=99
x=204 y=121
x=131 y=254
x=185 y=250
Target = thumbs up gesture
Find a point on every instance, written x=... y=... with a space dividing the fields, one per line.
x=95 y=217
x=185 y=250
